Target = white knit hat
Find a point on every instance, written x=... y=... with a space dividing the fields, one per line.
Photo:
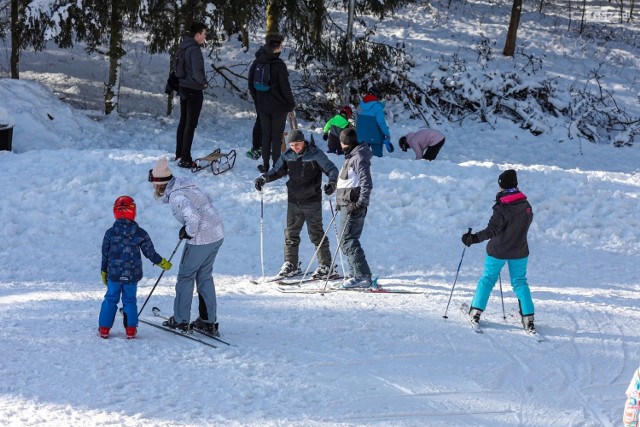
x=161 y=174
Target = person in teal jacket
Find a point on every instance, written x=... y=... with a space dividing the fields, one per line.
x=371 y=123
x=334 y=126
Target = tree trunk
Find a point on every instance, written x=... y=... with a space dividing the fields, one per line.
x=584 y=11
x=274 y=10
x=112 y=87
x=514 y=23
x=16 y=28
x=346 y=90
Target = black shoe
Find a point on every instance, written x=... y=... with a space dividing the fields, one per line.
x=207 y=328
x=171 y=323
x=263 y=168
x=187 y=164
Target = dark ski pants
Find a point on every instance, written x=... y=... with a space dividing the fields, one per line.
x=190 y=107
x=432 y=152
x=272 y=125
x=333 y=145
x=352 y=225
x=256 y=141
x=518 y=275
x=111 y=300
x=297 y=215
x=196 y=265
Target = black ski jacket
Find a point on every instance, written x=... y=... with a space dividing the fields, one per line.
x=508 y=226
x=278 y=99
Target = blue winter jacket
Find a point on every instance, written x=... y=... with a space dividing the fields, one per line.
x=371 y=124
x=121 y=248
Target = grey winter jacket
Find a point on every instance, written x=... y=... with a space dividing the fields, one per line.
x=194 y=64
x=354 y=180
x=305 y=173
x=193 y=208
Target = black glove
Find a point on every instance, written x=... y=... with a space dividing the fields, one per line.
x=329 y=188
x=182 y=234
x=259 y=182
x=325 y=136
x=353 y=207
x=469 y=239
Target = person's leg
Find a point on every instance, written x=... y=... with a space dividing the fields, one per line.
x=265 y=126
x=279 y=121
x=518 y=275
x=295 y=221
x=205 y=283
x=492 y=267
x=315 y=228
x=194 y=106
x=256 y=141
x=351 y=243
x=184 y=285
x=181 y=124
x=130 y=304
x=432 y=152
x=110 y=304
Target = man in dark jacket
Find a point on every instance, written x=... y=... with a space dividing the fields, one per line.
x=273 y=104
x=305 y=164
x=507 y=229
x=190 y=92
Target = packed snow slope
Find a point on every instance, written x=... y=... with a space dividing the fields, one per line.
x=342 y=359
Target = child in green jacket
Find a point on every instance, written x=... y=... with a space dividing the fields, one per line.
x=333 y=128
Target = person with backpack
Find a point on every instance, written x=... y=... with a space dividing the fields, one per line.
x=204 y=234
x=255 y=153
x=121 y=267
x=188 y=65
x=371 y=123
x=304 y=163
x=507 y=231
x=426 y=143
x=271 y=92
x=333 y=128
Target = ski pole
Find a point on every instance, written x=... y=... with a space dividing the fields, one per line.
x=504 y=316
x=455 y=280
x=262 y=233
x=317 y=250
x=158 y=281
x=344 y=228
x=335 y=225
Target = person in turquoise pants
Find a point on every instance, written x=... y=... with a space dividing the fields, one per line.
x=507 y=234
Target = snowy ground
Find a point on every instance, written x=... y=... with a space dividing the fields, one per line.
x=345 y=359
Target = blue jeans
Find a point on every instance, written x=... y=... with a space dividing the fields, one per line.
x=352 y=225
x=111 y=300
x=518 y=275
x=196 y=265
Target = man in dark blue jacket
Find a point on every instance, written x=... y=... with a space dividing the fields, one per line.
x=304 y=163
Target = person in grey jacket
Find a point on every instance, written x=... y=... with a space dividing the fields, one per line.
x=304 y=163
x=354 y=191
x=203 y=230
x=190 y=92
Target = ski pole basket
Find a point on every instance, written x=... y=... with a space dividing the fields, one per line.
x=218 y=162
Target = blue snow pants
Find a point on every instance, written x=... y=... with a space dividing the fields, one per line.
x=518 y=275
x=111 y=300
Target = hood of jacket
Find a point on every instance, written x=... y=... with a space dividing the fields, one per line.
x=368 y=108
x=188 y=42
x=262 y=56
x=125 y=226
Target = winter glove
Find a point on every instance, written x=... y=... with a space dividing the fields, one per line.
x=325 y=136
x=182 y=234
x=353 y=208
x=329 y=188
x=387 y=143
x=165 y=265
x=259 y=182
x=104 y=277
x=469 y=239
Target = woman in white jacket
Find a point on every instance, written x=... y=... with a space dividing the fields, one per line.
x=203 y=230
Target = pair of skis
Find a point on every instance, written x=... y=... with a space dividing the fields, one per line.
x=292 y=288
x=186 y=334
x=464 y=308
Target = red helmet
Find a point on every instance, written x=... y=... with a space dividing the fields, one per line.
x=124 y=207
x=347 y=111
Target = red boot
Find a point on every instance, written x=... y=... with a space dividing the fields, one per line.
x=103 y=332
x=131 y=332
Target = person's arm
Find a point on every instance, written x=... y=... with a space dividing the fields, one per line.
x=363 y=170
x=495 y=226
x=146 y=245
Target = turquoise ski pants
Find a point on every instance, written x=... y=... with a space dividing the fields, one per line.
x=518 y=275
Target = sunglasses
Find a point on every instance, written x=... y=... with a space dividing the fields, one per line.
x=151 y=178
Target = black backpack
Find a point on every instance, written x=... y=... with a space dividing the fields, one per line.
x=262 y=77
x=178 y=64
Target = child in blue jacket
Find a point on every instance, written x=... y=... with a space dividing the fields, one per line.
x=122 y=266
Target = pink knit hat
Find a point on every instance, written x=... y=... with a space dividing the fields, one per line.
x=161 y=174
